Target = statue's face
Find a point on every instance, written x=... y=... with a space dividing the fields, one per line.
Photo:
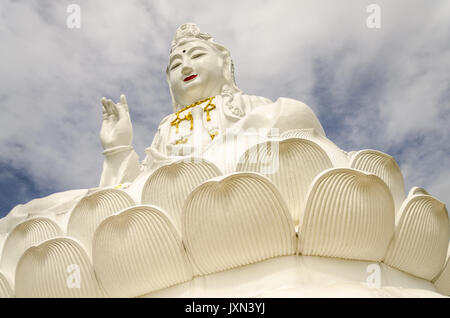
x=195 y=72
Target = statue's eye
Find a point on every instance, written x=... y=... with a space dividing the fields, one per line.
x=175 y=66
x=197 y=55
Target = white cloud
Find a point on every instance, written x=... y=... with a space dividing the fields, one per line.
x=385 y=89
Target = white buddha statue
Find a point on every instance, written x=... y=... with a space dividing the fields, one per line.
x=325 y=224
x=207 y=105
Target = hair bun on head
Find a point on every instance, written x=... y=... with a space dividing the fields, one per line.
x=188 y=31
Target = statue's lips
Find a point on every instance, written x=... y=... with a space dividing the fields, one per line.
x=190 y=77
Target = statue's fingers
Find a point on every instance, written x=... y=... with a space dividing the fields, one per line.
x=104 y=112
x=104 y=105
x=123 y=102
x=123 y=99
x=109 y=111
x=122 y=110
x=112 y=108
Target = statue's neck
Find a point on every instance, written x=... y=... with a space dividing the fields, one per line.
x=196 y=103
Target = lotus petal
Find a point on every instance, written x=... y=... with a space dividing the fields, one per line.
x=338 y=157
x=292 y=166
x=417 y=190
x=23 y=236
x=3 y=238
x=59 y=267
x=92 y=210
x=442 y=282
x=139 y=251
x=421 y=237
x=17 y=215
x=169 y=186
x=236 y=220
x=349 y=214
x=5 y=288
x=55 y=205
x=385 y=167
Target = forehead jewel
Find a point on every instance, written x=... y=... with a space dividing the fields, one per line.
x=189 y=31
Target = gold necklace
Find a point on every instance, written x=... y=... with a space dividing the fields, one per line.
x=209 y=107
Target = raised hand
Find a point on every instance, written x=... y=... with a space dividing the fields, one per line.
x=116 y=127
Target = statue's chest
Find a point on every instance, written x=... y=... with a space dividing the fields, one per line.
x=194 y=126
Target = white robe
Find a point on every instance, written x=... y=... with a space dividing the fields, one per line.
x=245 y=113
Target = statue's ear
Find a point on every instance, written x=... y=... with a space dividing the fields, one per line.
x=227 y=67
x=174 y=102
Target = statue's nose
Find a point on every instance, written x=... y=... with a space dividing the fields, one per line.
x=186 y=70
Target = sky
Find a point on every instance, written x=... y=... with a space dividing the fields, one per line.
x=384 y=88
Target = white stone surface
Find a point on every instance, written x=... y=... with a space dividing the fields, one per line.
x=442 y=282
x=169 y=186
x=236 y=220
x=420 y=244
x=291 y=165
x=139 y=250
x=338 y=157
x=301 y=276
x=91 y=210
x=348 y=214
x=385 y=167
x=45 y=271
x=5 y=288
x=23 y=236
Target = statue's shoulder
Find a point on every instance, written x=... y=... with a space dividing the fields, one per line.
x=253 y=100
x=166 y=120
x=294 y=104
x=242 y=104
x=260 y=100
